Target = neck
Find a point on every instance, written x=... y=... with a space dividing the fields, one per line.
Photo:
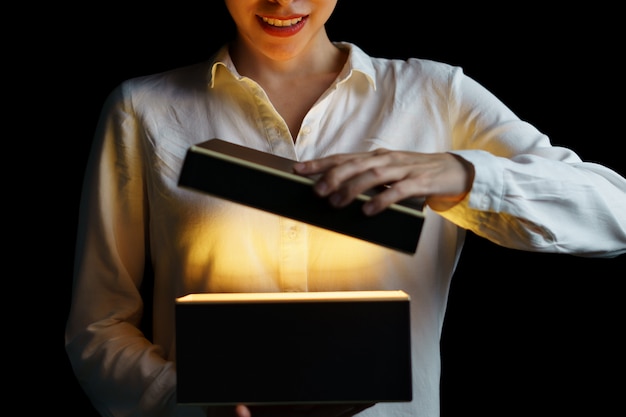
x=319 y=56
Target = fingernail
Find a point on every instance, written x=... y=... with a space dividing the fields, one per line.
x=321 y=188
x=335 y=199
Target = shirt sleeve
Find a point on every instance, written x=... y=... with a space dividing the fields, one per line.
x=528 y=194
x=120 y=370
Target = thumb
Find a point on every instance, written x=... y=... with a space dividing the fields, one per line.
x=242 y=411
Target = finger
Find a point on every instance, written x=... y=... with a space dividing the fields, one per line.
x=228 y=411
x=385 y=180
x=322 y=165
x=345 y=175
x=389 y=196
x=242 y=411
x=319 y=165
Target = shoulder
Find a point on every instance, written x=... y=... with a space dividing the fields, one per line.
x=413 y=71
x=158 y=90
x=416 y=71
x=174 y=81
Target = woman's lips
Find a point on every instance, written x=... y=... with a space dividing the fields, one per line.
x=282 y=27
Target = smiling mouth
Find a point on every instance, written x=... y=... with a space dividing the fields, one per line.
x=281 y=23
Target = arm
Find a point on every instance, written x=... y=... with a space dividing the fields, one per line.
x=531 y=202
x=500 y=178
x=121 y=371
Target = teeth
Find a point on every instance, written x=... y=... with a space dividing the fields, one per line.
x=281 y=23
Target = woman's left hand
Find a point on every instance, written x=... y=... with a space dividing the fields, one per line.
x=442 y=179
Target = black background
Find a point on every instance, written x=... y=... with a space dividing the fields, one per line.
x=524 y=333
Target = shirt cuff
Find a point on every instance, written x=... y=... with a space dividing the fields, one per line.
x=488 y=186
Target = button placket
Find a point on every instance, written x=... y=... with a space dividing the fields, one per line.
x=293 y=247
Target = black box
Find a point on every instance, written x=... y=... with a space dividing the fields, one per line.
x=265 y=181
x=293 y=348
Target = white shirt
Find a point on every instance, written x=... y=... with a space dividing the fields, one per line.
x=526 y=195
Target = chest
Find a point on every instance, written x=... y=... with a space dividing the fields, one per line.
x=294 y=100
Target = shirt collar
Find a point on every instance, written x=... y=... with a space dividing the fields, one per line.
x=358 y=63
x=222 y=59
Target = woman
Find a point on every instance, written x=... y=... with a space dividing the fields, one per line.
x=282 y=86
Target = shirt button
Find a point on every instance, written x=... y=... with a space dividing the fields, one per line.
x=293 y=232
x=306 y=130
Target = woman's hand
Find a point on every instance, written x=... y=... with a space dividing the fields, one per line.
x=443 y=179
x=334 y=410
